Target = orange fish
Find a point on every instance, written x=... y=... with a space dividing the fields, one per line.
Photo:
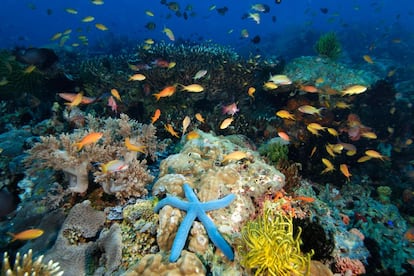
x=309 y=88
x=284 y=136
x=115 y=93
x=226 y=122
x=76 y=101
x=304 y=199
x=166 y=92
x=91 y=138
x=199 y=118
x=192 y=135
x=133 y=147
x=137 y=77
x=171 y=130
x=368 y=59
x=27 y=235
x=345 y=171
x=251 y=91
x=71 y=96
x=156 y=116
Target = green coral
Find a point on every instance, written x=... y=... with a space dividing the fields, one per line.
x=328 y=45
x=274 y=151
x=269 y=247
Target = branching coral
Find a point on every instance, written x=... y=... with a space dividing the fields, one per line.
x=328 y=45
x=60 y=153
x=26 y=266
x=270 y=248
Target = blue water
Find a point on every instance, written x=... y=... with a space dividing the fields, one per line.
x=361 y=24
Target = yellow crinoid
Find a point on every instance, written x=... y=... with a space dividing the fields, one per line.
x=268 y=246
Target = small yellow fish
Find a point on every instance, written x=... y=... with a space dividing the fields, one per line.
x=364 y=158
x=354 y=90
x=97 y=2
x=56 y=36
x=313 y=151
x=319 y=80
x=114 y=166
x=333 y=131
x=199 y=118
x=101 y=27
x=342 y=105
x=171 y=64
x=116 y=94
x=192 y=88
x=149 y=41
x=269 y=85
x=255 y=16
x=89 y=139
x=314 y=128
x=29 y=69
x=345 y=171
x=71 y=11
x=171 y=130
x=284 y=114
x=68 y=31
x=149 y=13
x=375 y=154
x=369 y=135
x=133 y=147
x=169 y=33
x=27 y=235
x=226 y=122
x=137 y=77
x=328 y=165
x=234 y=156
x=251 y=91
x=311 y=110
x=244 y=33
x=368 y=59
x=88 y=19
x=77 y=100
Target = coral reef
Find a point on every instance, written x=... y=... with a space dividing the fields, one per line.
x=328 y=45
x=275 y=150
x=154 y=264
x=269 y=247
x=196 y=209
x=60 y=153
x=25 y=265
x=199 y=164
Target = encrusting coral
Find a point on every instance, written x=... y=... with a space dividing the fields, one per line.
x=26 y=266
x=60 y=153
x=268 y=246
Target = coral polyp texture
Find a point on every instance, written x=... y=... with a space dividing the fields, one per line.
x=269 y=246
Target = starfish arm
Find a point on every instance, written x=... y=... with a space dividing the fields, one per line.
x=219 y=203
x=172 y=201
x=181 y=236
x=215 y=236
x=189 y=193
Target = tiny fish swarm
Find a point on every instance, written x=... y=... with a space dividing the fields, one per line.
x=269 y=247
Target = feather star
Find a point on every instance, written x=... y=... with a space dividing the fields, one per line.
x=196 y=209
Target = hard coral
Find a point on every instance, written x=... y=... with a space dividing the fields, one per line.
x=60 y=153
x=270 y=248
x=26 y=266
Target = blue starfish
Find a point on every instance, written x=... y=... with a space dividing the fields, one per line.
x=196 y=209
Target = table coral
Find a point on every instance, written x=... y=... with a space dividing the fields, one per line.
x=60 y=153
